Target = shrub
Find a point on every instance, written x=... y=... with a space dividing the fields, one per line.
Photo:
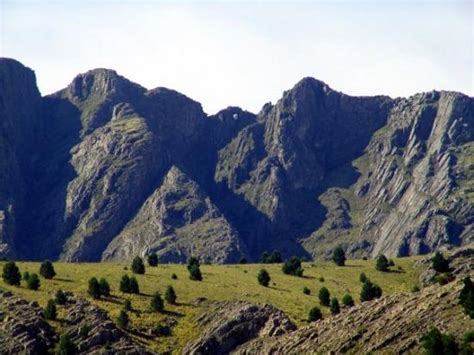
x=335 y=308
x=174 y=277
x=275 y=257
x=434 y=343
x=11 y=274
x=264 y=257
x=94 y=288
x=156 y=303
x=370 y=291
x=306 y=291
x=382 y=263
x=243 y=260
x=466 y=297
x=263 y=278
x=127 y=305
x=125 y=284
x=415 y=289
x=50 y=310
x=26 y=275
x=152 y=259
x=104 y=287
x=60 y=298
x=391 y=263
x=362 y=277
x=66 y=346
x=195 y=272
x=439 y=263
x=47 y=270
x=444 y=278
x=138 y=267
x=84 y=331
x=192 y=261
x=347 y=300
x=339 y=256
x=466 y=347
x=122 y=319
x=170 y=295
x=134 y=288
x=314 y=314
x=321 y=279
x=324 y=296
x=293 y=267
x=33 y=282
x=162 y=330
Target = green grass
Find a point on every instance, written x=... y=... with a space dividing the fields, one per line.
x=221 y=282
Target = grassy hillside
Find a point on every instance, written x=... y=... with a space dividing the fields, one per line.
x=221 y=282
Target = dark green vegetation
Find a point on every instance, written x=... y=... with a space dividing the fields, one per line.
x=194 y=269
x=370 y=291
x=440 y=264
x=138 y=267
x=339 y=256
x=33 y=282
x=314 y=314
x=66 y=346
x=11 y=274
x=324 y=296
x=466 y=297
x=156 y=302
x=273 y=258
x=382 y=263
x=152 y=259
x=122 y=319
x=347 y=300
x=263 y=278
x=170 y=295
x=436 y=343
x=47 y=270
x=50 y=311
x=293 y=267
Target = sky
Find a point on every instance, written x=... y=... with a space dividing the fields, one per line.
x=246 y=53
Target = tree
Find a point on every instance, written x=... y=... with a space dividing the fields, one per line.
x=137 y=266
x=370 y=291
x=60 y=297
x=11 y=274
x=335 y=308
x=33 y=282
x=466 y=297
x=127 y=305
x=156 y=303
x=434 y=343
x=339 y=256
x=293 y=267
x=243 y=260
x=195 y=272
x=314 y=314
x=47 y=270
x=192 y=261
x=174 y=276
x=439 y=263
x=170 y=295
x=66 y=346
x=153 y=259
x=50 y=310
x=122 y=319
x=104 y=287
x=94 y=288
x=362 y=278
x=306 y=291
x=324 y=296
x=264 y=257
x=263 y=278
x=382 y=263
x=26 y=275
x=275 y=257
x=347 y=300
x=125 y=284
x=134 y=288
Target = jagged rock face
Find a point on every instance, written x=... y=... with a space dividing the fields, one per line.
x=85 y=170
x=178 y=220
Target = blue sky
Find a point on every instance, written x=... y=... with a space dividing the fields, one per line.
x=246 y=53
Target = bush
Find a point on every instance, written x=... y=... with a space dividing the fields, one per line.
x=47 y=270
x=444 y=279
x=192 y=261
x=264 y=257
x=335 y=308
x=391 y=263
x=321 y=279
x=466 y=347
x=122 y=319
x=138 y=267
x=370 y=291
x=60 y=298
x=415 y=289
x=293 y=267
x=66 y=346
x=133 y=286
x=104 y=287
x=324 y=296
x=466 y=297
x=162 y=330
x=33 y=282
x=156 y=303
x=382 y=263
x=339 y=257
x=347 y=300
x=127 y=305
x=11 y=274
x=170 y=295
x=195 y=272
x=314 y=314
x=306 y=291
x=362 y=277
x=125 y=284
x=439 y=263
x=243 y=261
x=84 y=331
x=50 y=310
x=436 y=343
x=263 y=278
x=25 y=276
x=152 y=259
x=94 y=288
x=275 y=257
x=174 y=277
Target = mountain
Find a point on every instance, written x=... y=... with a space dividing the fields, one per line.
x=106 y=169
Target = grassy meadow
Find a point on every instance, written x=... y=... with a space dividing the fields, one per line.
x=221 y=282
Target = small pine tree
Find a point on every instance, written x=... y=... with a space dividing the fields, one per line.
x=275 y=257
x=293 y=267
x=324 y=296
x=50 y=310
x=134 y=288
x=152 y=259
x=25 y=276
x=127 y=305
x=156 y=303
x=192 y=261
x=33 y=282
x=94 y=288
x=11 y=274
x=339 y=256
x=439 y=263
x=66 y=346
x=265 y=257
x=370 y=291
x=382 y=263
x=122 y=319
x=195 y=272
x=60 y=297
x=347 y=300
x=434 y=343
x=170 y=295
x=306 y=291
x=125 y=284
x=362 y=278
x=138 y=267
x=47 y=270
x=314 y=314
x=104 y=287
x=335 y=308
x=263 y=278
x=466 y=297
